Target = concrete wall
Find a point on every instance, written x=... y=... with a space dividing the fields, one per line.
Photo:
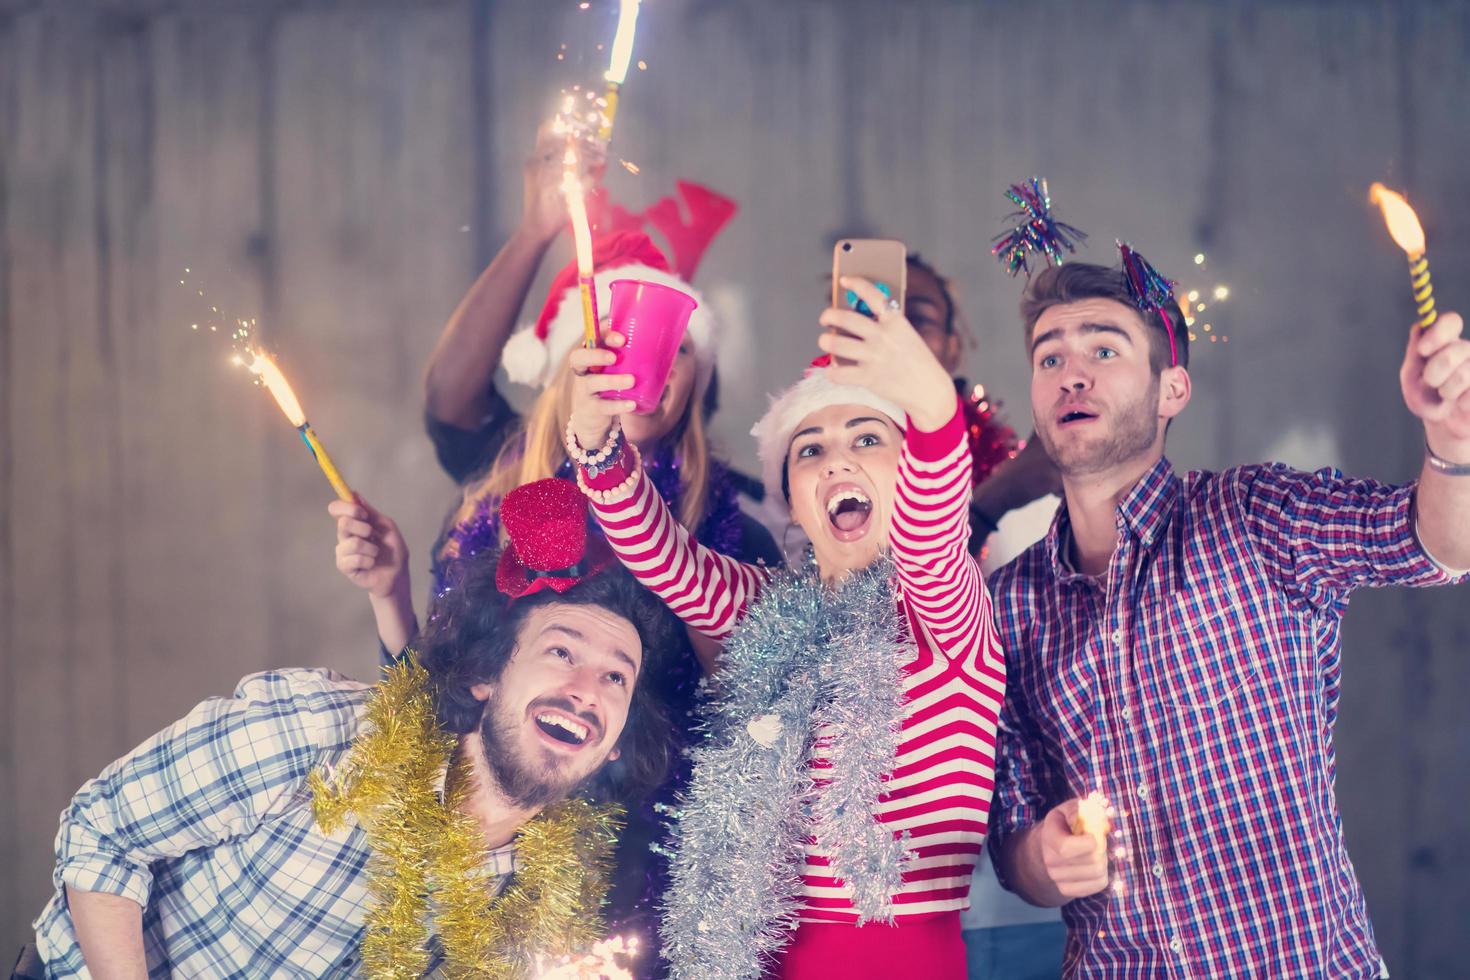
x=342 y=171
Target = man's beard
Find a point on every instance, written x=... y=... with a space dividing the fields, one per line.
x=520 y=779
x=1135 y=428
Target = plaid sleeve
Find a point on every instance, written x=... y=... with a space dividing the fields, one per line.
x=1323 y=534
x=215 y=774
x=1022 y=780
x=1020 y=784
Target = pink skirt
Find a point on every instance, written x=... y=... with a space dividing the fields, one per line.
x=930 y=947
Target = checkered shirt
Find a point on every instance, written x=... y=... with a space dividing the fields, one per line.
x=208 y=825
x=1198 y=689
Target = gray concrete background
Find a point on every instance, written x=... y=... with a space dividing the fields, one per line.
x=342 y=170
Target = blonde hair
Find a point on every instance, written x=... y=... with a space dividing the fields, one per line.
x=537 y=452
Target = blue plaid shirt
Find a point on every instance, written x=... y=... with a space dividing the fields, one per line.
x=1198 y=688
x=208 y=825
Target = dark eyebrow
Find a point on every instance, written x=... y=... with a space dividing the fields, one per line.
x=618 y=652
x=817 y=429
x=1056 y=332
x=915 y=300
x=579 y=635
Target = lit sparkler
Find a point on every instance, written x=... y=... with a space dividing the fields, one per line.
x=571 y=186
x=275 y=382
x=1403 y=225
x=617 y=69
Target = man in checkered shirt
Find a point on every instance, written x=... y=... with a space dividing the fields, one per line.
x=198 y=853
x=1174 y=643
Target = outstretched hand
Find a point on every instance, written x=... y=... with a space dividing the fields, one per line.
x=592 y=415
x=1436 y=381
x=543 y=206
x=370 y=549
x=888 y=357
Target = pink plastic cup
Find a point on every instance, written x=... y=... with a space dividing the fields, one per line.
x=652 y=319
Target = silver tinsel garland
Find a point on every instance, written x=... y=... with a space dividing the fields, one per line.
x=807 y=661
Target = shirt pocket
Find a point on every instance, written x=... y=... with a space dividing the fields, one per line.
x=1207 y=655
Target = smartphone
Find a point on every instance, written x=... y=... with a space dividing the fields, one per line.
x=881 y=261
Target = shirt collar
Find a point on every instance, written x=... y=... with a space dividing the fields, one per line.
x=1144 y=511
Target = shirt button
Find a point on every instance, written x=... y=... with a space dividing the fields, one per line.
x=1176 y=945
x=1158 y=870
x=1143 y=791
x=1117 y=638
x=1127 y=712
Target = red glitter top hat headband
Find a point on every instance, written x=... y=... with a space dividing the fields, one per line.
x=549 y=547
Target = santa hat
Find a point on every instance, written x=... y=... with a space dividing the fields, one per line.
x=812 y=393
x=533 y=355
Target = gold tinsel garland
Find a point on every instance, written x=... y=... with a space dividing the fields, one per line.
x=427 y=854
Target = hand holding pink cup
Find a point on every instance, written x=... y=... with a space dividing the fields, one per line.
x=652 y=319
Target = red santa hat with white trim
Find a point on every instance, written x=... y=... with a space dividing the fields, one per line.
x=815 y=391
x=535 y=353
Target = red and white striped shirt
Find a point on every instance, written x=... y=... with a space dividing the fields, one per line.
x=939 y=790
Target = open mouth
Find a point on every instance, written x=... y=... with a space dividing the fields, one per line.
x=849 y=510
x=1074 y=416
x=562 y=729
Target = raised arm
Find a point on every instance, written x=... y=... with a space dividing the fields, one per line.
x=1436 y=381
x=707 y=590
x=940 y=581
x=930 y=529
x=459 y=381
x=372 y=555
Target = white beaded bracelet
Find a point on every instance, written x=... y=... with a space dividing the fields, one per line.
x=593 y=461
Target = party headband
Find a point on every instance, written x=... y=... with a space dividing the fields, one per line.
x=1034 y=230
x=1150 y=291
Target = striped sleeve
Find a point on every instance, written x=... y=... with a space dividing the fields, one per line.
x=940 y=582
x=707 y=590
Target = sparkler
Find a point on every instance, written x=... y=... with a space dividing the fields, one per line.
x=617 y=69
x=275 y=382
x=1403 y=225
x=571 y=186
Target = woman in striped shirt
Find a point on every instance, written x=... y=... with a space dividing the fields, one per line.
x=870 y=454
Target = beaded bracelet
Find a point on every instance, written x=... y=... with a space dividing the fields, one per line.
x=622 y=490
x=600 y=461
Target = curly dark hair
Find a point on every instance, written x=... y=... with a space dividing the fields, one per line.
x=946 y=290
x=472 y=632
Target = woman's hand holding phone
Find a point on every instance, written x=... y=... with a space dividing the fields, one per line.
x=887 y=356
